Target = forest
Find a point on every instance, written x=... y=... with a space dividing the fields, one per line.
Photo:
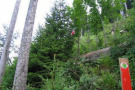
x=78 y=48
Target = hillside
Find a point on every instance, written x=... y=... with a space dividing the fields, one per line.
x=87 y=59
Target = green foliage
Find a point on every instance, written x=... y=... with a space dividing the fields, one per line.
x=54 y=39
x=106 y=62
x=69 y=76
x=94 y=17
x=100 y=75
x=117 y=52
x=130 y=55
x=50 y=67
x=129 y=4
x=130 y=23
x=64 y=77
x=110 y=9
x=9 y=76
x=78 y=16
x=95 y=21
x=47 y=72
x=108 y=80
x=126 y=51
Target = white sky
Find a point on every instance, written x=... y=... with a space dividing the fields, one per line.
x=7 y=6
x=6 y=9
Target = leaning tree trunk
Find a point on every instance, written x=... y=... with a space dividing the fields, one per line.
x=20 y=77
x=5 y=52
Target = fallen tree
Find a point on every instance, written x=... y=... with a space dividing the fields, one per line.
x=96 y=54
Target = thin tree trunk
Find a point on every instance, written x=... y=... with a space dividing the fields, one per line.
x=122 y=13
x=78 y=46
x=125 y=9
x=105 y=42
x=5 y=52
x=125 y=4
x=20 y=77
x=103 y=31
x=113 y=29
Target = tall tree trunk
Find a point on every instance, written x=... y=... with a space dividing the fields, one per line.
x=105 y=42
x=125 y=4
x=5 y=52
x=20 y=77
x=102 y=22
x=122 y=13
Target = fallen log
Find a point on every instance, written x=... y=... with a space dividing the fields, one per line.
x=96 y=54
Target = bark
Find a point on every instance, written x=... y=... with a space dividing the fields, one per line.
x=20 y=77
x=5 y=52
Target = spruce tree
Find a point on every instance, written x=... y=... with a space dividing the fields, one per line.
x=54 y=38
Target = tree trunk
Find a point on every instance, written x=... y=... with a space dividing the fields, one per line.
x=125 y=9
x=122 y=13
x=125 y=6
x=20 y=77
x=103 y=30
x=5 y=52
x=113 y=29
x=78 y=46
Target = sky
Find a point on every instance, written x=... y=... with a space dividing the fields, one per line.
x=6 y=9
x=7 y=6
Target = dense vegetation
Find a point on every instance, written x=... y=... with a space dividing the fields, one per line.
x=54 y=51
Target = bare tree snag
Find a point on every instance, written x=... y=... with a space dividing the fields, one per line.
x=20 y=77
x=5 y=51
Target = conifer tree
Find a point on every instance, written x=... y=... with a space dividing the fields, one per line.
x=54 y=38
